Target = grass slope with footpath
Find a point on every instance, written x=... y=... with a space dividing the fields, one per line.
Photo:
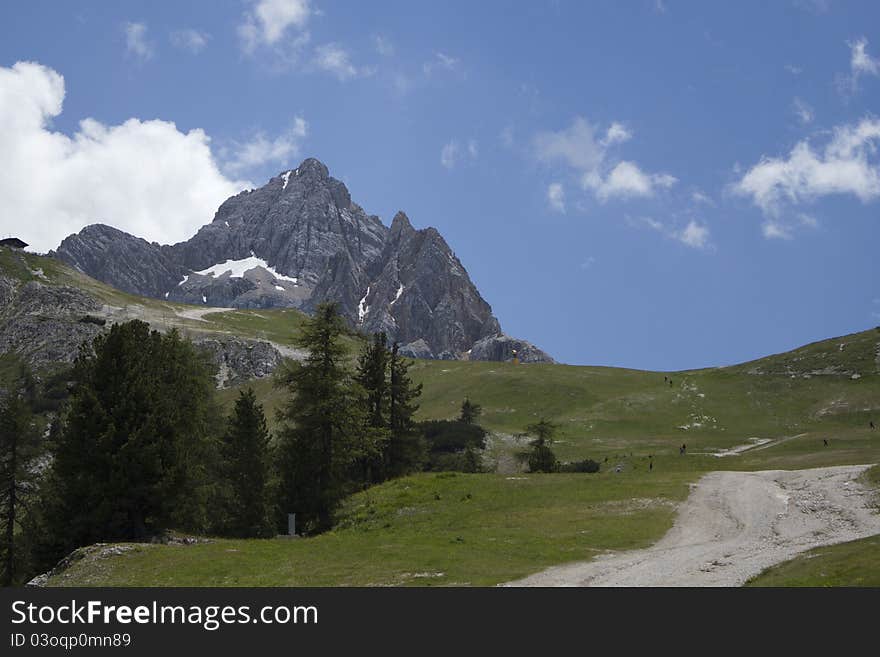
x=428 y=529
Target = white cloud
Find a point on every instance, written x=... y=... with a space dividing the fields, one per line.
x=145 y=177
x=267 y=22
x=617 y=133
x=700 y=198
x=695 y=235
x=472 y=148
x=440 y=61
x=334 y=59
x=803 y=111
x=794 y=70
x=262 y=150
x=626 y=180
x=860 y=64
x=844 y=167
x=190 y=39
x=556 y=197
x=581 y=149
x=785 y=228
x=449 y=154
x=383 y=46
x=136 y=41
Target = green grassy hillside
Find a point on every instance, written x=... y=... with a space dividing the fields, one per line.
x=484 y=529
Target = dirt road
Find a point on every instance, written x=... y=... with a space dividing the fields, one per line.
x=734 y=525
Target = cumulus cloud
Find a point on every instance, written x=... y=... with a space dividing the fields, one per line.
x=556 y=197
x=136 y=43
x=262 y=150
x=267 y=22
x=334 y=59
x=847 y=165
x=190 y=39
x=580 y=148
x=145 y=177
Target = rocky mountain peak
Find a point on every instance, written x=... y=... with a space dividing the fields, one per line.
x=295 y=242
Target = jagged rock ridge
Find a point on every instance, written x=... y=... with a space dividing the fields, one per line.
x=295 y=242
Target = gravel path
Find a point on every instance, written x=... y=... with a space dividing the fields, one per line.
x=733 y=526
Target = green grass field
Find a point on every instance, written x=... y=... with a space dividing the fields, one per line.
x=485 y=529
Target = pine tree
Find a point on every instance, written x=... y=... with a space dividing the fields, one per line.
x=406 y=447
x=469 y=412
x=541 y=458
x=322 y=434
x=20 y=450
x=245 y=453
x=372 y=376
x=134 y=455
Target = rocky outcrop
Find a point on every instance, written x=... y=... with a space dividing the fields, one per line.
x=501 y=347
x=420 y=292
x=298 y=241
x=41 y=323
x=239 y=360
x=128 y=263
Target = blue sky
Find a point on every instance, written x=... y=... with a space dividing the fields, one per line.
x=657 y=185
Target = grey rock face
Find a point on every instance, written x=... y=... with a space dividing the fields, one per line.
x=41 y=323
x=238 y=360
x=501 y=347
x=128 y=263
x=295 y=242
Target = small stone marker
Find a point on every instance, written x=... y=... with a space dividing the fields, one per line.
x=291 y=524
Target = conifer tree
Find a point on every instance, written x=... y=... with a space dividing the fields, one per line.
x=372 y=376
x=406 y=447
x=137 y=445
x=469 y=412
x=541 y=458
x=245 y=465
x=322 y=434
x=20 y=450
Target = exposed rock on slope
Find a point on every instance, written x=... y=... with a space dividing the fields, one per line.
x=295 y=242
x=238 y=360
x=501 y=347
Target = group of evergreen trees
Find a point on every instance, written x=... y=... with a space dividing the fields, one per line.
x=141 y=446
x=343 y=428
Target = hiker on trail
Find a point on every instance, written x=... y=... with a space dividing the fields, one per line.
x=871 y=423
x=651 y=466
x=683 y=449
x=825 y=440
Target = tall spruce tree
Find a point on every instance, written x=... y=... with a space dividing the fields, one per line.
x=541 y=457
x=406 y=446
x=322 y=433
x=245 y=466
x=372 y=376
x=134 y=455
x=20 y=450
